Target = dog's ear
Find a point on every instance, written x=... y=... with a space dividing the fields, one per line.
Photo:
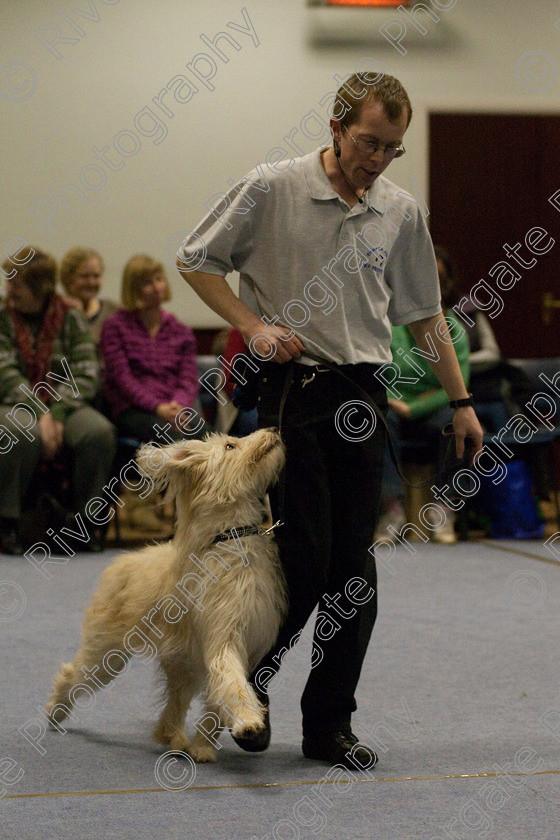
x=164 y=464
x=157 y=462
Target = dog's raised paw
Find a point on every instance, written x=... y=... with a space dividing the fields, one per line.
x=251 y=730
x=254 y=736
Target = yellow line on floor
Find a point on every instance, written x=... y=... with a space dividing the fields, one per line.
x=281 y=784
x=509 y=550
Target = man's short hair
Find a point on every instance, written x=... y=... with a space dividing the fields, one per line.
x=370 y=87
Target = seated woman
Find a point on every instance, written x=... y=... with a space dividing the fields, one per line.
x=151 y=376
x=81 y=275
x=49 y=372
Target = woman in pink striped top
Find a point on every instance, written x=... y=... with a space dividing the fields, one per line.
x=151 y=376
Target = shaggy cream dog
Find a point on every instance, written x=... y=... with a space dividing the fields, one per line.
x=208 y=603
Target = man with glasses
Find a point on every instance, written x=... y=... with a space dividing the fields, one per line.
x=330 y=253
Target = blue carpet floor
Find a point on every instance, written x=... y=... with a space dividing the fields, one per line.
x=459 y=696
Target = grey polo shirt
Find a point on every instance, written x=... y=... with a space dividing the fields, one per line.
x=338 y=276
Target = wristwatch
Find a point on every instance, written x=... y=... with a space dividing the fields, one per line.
x=462 y=403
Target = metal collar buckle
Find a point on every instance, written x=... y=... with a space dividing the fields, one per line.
x=246 y=531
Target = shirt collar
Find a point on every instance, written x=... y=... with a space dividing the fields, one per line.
x=321 y=188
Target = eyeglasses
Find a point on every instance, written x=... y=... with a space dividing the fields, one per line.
x=370 y=147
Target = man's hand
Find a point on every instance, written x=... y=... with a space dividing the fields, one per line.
x=261 y=337
x=52 y=435
x=466 y=425
x=218 y=295
x=446 y=368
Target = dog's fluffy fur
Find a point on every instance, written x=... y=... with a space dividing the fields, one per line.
x=218 y=484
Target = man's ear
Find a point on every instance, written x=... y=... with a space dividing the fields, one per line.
x=336 y=130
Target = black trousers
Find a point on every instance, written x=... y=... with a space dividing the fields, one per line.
x=331 y=489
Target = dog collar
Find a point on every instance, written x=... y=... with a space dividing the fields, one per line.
x=245 y=531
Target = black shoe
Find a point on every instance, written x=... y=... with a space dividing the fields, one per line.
x=340 y=747
x=10 y=543
x=260 y=741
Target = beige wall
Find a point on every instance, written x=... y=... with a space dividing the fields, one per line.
x=60 y=100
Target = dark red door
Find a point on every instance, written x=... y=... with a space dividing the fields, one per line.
x=491 y=177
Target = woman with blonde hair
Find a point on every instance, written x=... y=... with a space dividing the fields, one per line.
x=151 y=374
x=81 y=275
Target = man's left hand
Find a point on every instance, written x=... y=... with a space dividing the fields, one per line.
x=466 y=425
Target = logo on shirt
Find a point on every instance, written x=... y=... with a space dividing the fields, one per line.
x=377 y=257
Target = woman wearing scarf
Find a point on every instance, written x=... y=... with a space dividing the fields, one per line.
x=48 y=373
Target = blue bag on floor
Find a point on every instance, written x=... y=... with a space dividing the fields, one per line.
x=512 y=506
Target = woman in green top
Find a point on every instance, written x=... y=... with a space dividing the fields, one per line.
x=48 y=373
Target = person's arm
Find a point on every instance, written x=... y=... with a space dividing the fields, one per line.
x=489 y=353
x=432 y=399
x=433 y=338
x=214 y=290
